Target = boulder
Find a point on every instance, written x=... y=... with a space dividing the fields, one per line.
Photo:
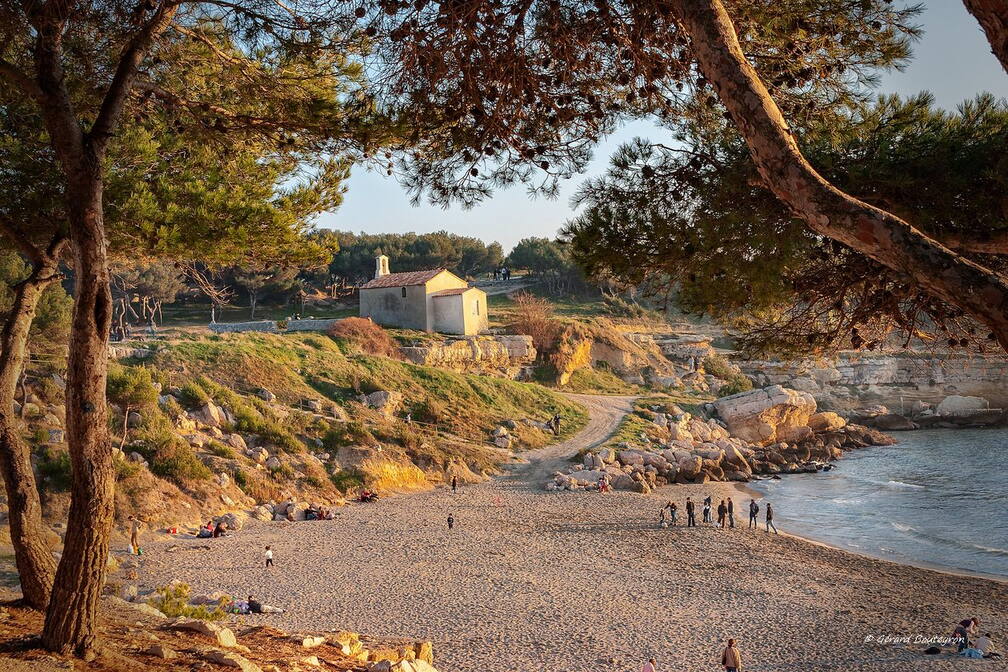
x=826 y=421
x=385 y=402
x=502 y=441
x=262 y=513
x=960 y=405
x=56 y=436
x=234 y=521
x=272 y=463
x=230 y=659
x=161 y=651
x=237 y=442
x=133 y=420
x=265 y=395
x=631 y=457
x=767 y=415
x=210 y=414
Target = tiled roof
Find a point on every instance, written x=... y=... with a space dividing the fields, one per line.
x=452 y=292
x=402 y=279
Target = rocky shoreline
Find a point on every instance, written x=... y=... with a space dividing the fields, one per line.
x=765 y=432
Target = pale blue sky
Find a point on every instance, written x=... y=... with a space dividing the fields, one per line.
x=952 y=60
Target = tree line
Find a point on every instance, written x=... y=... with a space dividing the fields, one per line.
x=212 y=133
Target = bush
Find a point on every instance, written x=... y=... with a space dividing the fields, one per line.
x=220 y=450
x=40 y=437
x=352 y=433
x=193 y=396
x=346 y=480
x=534 y=317
x=173 y=601
x=54 y=467
x=735 y=380
x=364 y=336
x=430 y=410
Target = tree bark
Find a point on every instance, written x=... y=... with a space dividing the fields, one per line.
x=80 y=577
x=881 y=236
x=35 y=563
x=993 y=18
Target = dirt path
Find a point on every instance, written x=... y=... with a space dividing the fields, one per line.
x=530 y=580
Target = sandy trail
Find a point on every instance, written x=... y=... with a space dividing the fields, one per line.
x=531 y=580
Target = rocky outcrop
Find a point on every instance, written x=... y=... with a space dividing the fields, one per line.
x=504 y=354
x=959 y=405
x=768 y=415
x=854 y=380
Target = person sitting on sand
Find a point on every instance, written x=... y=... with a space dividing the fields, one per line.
x=731 y=659
x=220 y=530
x=769 y=519
x=722 y=514
x=649 y=666
x=753 y=512
x=964 y=630
x=986 y=646
x=256 y=607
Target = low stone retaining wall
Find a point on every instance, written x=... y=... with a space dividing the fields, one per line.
x=267 y=326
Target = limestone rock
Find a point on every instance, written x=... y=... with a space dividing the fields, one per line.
x=767 y=415
x=309 y=641
x=826 y=421
x=231 y=659
x=385 y=402
x=161 y=651
x=960 y=405
x=211 y=415
x=893 y=422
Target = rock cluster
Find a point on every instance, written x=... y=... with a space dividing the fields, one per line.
x=683 y=448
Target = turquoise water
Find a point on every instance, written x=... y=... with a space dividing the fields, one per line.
x=938 y=497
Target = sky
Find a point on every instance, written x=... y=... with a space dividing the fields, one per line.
x=952 y=60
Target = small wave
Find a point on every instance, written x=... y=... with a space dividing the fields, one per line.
x=903 y=528
x=901 y=484
x=990 y=549
x=851 y=500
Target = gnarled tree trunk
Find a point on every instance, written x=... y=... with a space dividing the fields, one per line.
x=70 y=619
x=993 y=18
x=35 y=564
x=887 y=239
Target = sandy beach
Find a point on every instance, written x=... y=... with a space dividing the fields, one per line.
x=530 y=580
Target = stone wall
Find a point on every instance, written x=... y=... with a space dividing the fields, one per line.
x=310 y=325
x=854 y=380
x=503 y=355
x=268 y=326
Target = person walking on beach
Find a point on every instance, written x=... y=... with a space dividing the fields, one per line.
x=649 y=666
x=722 y=514
x=753 y=513
x=731 y=659
x=451 y=521
x=769 y=519
x=690 y=513
x=731 y=513
x=269 y=556
x=454 y=484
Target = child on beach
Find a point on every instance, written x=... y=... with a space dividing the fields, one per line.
x=451 y=521
x=661 y=518
x=649 y=666
x=135 y=524
x=731 y=659
x=269 y=556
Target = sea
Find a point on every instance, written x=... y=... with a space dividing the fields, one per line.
x=938 y=498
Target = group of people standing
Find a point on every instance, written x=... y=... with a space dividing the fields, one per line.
x=725 y=514
x=502 y=273
x=731 y=659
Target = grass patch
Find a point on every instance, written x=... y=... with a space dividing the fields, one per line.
x=599 y=381
x=173 y=601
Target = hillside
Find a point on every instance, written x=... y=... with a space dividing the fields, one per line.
x=229 y=423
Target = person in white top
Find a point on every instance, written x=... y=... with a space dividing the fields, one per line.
x=649 y=666
x=269 y=557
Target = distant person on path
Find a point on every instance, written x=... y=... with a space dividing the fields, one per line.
x=690 y=513
x=649 y=666
x=769 y=519
x=269 y=556
x=707 y=511
x=451 y=521
x=454 y=484
x=555 y=424
x=753 y=513
x=731 y=659
x=731 y=512
x=722 y=514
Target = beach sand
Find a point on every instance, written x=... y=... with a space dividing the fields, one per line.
x=530 y=580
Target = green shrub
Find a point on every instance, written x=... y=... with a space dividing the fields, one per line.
x=54 y=467
x=735 y=380
x=40 y=437
x=193 y=396
x=173 y=601
x=126 y=469
x=220 y=450
x=430 y=410
x=241 y=480
x=347 y=479
x=352 y=433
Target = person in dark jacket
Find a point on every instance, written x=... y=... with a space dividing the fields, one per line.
x=690 y=513
x=722 y=514
x=769 y=519
x=731 y=513
x=753 y=513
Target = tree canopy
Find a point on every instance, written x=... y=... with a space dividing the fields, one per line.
x=695 y=221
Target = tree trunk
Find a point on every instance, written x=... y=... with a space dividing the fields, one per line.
x=252 y=303
x=70 y=619
x=993 y=18
x=828 y=211
x=34 y=560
